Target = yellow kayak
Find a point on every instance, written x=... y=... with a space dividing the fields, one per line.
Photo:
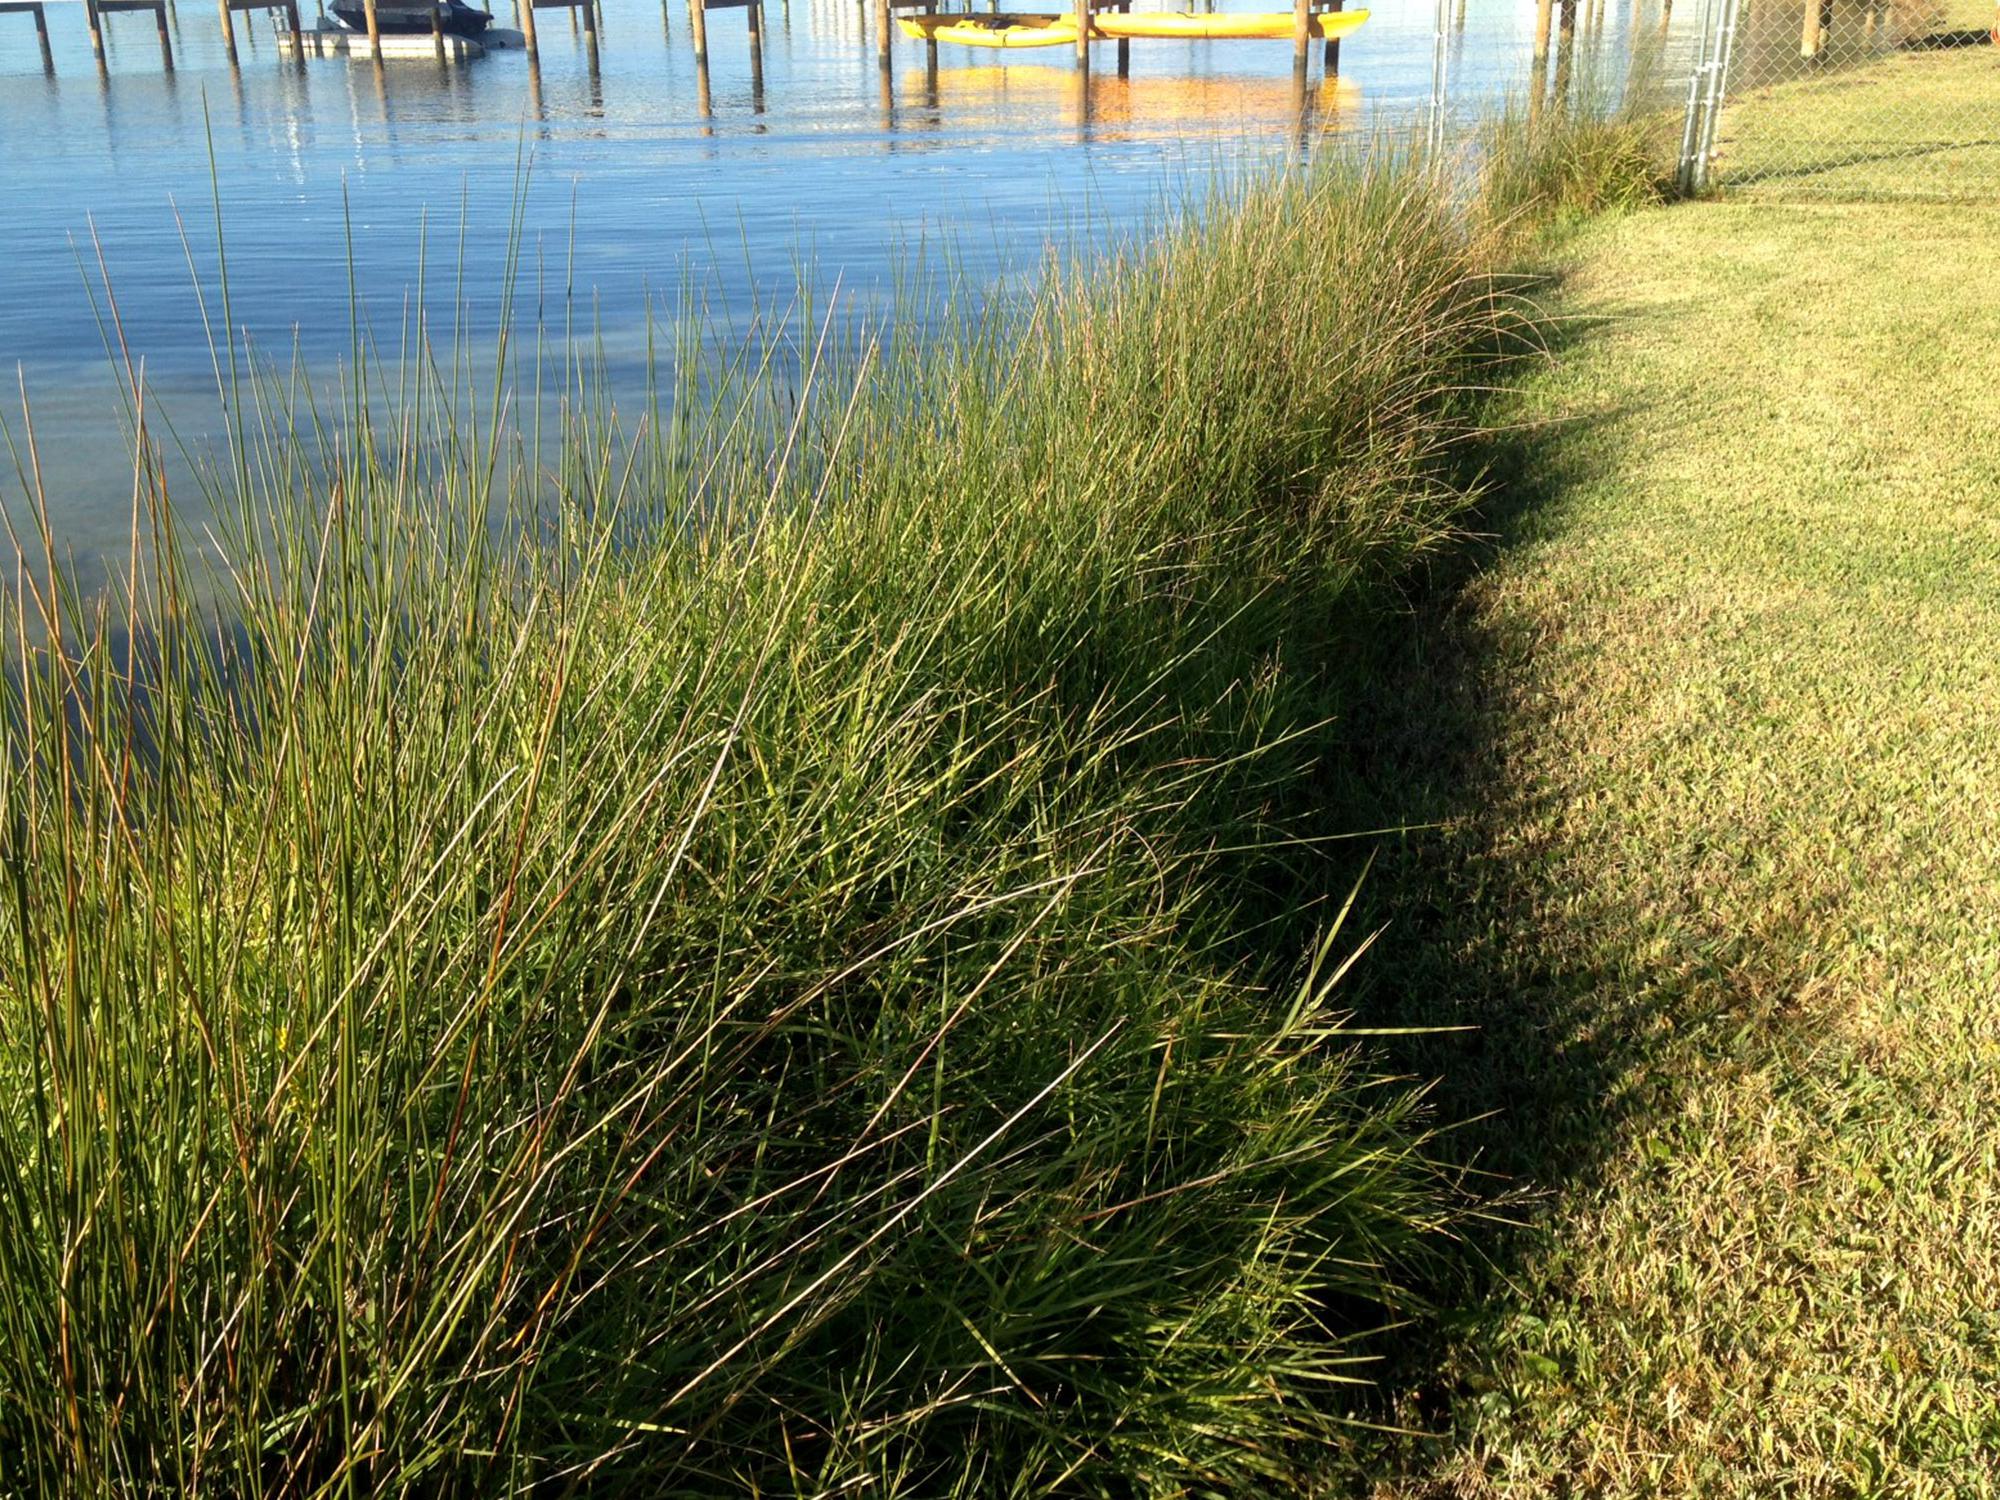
x=992 y=31
x=1060 y=30
x=1220 y=26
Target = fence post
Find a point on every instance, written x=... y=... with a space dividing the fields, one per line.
x=1440 y=78
x=1718 y=91
x=1684 y=175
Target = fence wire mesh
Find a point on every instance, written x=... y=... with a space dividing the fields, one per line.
x=1846 y=99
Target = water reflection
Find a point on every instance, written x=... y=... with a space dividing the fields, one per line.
x=1135 y=108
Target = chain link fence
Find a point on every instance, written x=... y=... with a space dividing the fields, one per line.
x=1846 y=99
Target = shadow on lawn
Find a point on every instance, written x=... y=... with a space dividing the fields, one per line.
x=1829 y=164
x=1557 y=1065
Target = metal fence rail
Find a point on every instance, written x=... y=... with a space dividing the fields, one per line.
x=1845 y=99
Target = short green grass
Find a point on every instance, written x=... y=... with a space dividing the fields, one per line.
x=1917 y=122
x=1714 y=736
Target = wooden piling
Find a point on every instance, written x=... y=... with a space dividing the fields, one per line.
x=292 y=16
x=228 y=28
x=1544 y=20
x=527 y=26
x=1565 y=52
x=698 y=29
x=1083 y=24
x=589 y=9
x=1302 y=100
x=375 y=30
x=42 y=36
x=1302 y=29
x=1809 y=30
x=166 y=41
x=96 y=24
x=1332 y=61
x=882 y=25
x=437 y=34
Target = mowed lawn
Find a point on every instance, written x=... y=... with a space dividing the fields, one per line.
x=1713 y=735
x=1881 y=121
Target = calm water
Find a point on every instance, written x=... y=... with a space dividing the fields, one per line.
x=819 y=157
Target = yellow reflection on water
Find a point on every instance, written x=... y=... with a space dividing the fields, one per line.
x=1137 y=106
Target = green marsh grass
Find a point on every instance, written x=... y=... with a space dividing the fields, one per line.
x=765 y=942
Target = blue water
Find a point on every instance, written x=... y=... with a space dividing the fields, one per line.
x=625 y=182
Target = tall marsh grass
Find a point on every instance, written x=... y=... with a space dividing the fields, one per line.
x=765 y=943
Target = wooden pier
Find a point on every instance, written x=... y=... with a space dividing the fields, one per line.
x=698 y=30
x=753 y=23
x=586 y=10
x=33 y=8
x=370 y=43
x=94 y=12
x=228 y=8
x=1306 y=15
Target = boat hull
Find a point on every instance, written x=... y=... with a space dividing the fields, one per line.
x=1219 y=26
x=1002 y=32
x=412 y=20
